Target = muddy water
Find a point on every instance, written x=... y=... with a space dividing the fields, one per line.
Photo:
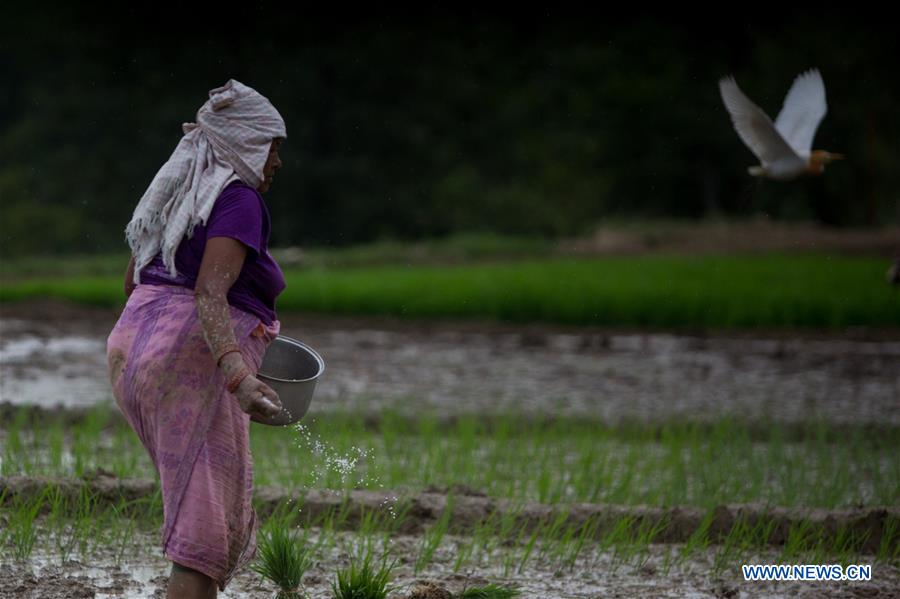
x=465 y=368
x=37 y=369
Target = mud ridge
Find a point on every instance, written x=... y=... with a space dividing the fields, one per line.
x=415 y=512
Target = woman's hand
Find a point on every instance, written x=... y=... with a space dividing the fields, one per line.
x=257 y=398
x=254 y=396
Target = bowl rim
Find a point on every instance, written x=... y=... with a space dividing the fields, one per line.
x=303 y=346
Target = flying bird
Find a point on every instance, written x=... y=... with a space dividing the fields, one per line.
x=784 y=148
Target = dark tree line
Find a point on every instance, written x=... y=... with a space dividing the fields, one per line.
x=418 y=127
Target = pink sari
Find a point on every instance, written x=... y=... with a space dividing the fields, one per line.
x=174 y=397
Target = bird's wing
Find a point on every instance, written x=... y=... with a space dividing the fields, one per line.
x=753 y=126
x=803 y=110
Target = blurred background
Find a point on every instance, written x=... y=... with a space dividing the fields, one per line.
x=412 y=128
x=530 y=253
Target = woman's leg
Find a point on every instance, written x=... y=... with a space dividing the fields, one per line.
x=185 y=583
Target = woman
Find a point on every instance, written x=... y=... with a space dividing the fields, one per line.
x=201 y=291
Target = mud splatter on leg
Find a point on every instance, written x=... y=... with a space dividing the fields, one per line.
x=116 y=361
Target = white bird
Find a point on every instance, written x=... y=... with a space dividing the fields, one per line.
x=784 y=148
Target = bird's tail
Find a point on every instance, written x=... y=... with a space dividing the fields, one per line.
x=757 y=171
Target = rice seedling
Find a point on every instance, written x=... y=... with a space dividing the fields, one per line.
x=21 y=530
x=587 y=531
x=463 y=552
x=668 y=560
x=122 y=534
x=617 y=540
x=432 y=538
x=86 y=520
x=366 y=532
x=529 y=546
x=800 y=538
x=16 y=459
x=489 y=591
x=729 y=550
x=551 y=534
x=364 y=578
x=502 y=525
x=283 y=558
x=562 y=545
x=636 y=545
x=467 y=552
x=64 y=532
x=889 y=547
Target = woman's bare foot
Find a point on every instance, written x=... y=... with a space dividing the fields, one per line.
x=185 y=583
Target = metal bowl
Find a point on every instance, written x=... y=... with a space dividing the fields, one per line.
x=292 y=369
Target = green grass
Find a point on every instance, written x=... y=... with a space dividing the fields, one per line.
x=716 y=292
x=559 y=461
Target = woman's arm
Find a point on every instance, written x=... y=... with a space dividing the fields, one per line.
x=219 y=269
x=129 y=278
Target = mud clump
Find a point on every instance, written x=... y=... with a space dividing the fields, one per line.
x=429 y=590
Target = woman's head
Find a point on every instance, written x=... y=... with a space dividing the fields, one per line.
x=241 y=125
x=273 y=163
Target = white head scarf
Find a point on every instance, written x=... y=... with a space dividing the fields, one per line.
x=230 y=140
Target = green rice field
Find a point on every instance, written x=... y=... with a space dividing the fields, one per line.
x=660 y=292
x=564 y=460
x=558 y=463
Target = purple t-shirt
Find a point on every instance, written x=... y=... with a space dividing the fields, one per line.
x=239 y=213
